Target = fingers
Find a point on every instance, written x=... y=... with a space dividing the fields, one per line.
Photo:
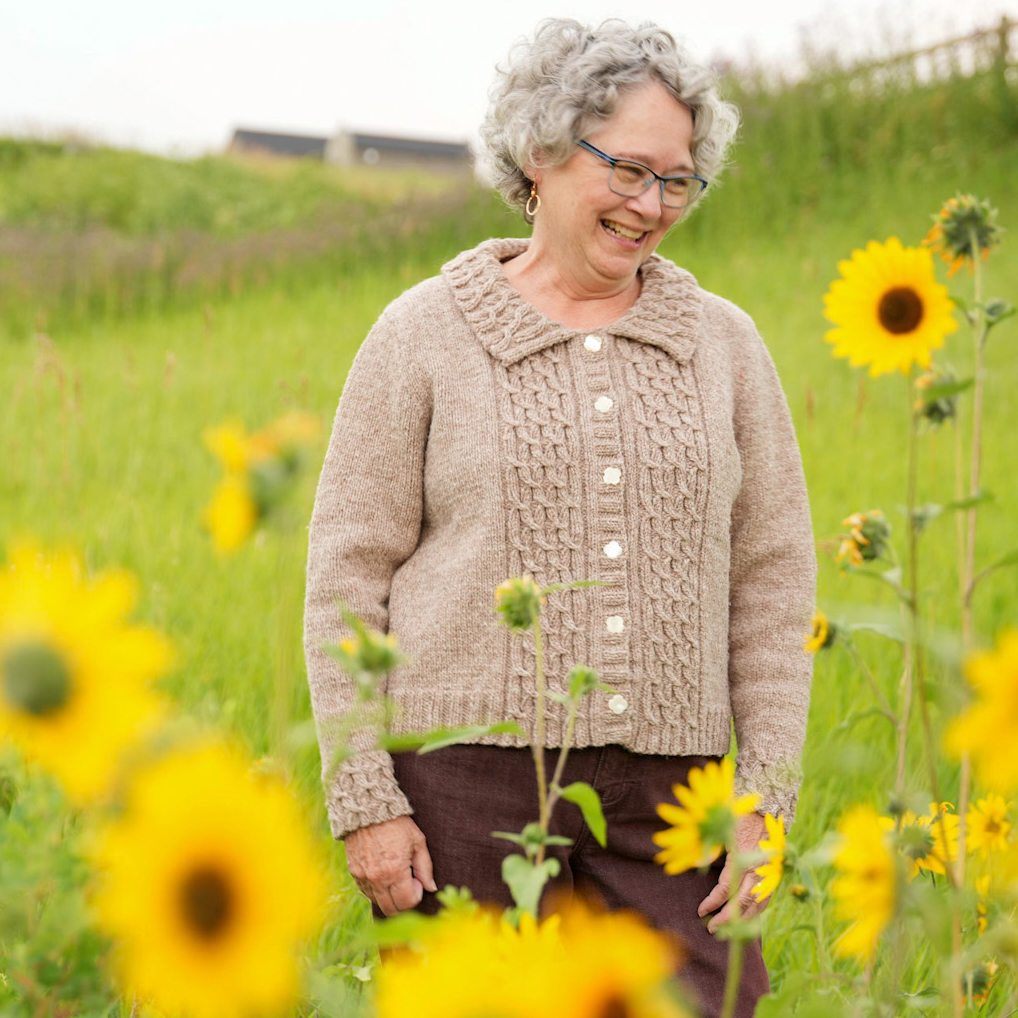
x=748 y=905
x=421 y=863
x=718 y=896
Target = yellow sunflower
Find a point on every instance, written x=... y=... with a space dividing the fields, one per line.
x=615 y=965
x=987 y=826
x=209 y=882
x=704 y=822
x=575 y=964
x=75 y=676
x=773 y=845
x=865 y=890
x=821 y=634
x=928 y=842
x=988 y=729
x=232 y=515
x=889 y=310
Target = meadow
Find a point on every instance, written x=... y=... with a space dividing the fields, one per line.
x=106 y=396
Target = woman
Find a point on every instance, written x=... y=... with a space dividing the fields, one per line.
x=572 y=407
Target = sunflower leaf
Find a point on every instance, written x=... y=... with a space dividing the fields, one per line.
x=526 y=880
x=425 y=742
x=584 y=796
x=946 y=389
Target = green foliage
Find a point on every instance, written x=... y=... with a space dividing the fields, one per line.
x=584 y=796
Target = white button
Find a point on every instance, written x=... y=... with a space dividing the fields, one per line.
x=613 y=549
x=618 y=704
x=593 y=343
x=612 y=475
x=614 y=624
x=603 y=403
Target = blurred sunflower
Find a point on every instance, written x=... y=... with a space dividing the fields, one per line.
x=773 y=846
x=928 y=842
x=704 y=821
x=988 y=729
x=822 y=633
x=868 y=539
x=75 y=677
x=987 y=826
x=575 y=964
x=259 y=469
x=209 y=883
x=889 y=310
x=964 y=226
x=865 y=890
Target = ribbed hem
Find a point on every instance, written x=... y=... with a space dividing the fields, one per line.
x=596 y=725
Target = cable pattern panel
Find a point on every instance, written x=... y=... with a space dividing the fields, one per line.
x=543 y=488
x=671 y=444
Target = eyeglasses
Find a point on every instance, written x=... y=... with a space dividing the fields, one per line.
x=630 y=179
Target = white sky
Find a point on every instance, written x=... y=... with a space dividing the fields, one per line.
x=177 y=76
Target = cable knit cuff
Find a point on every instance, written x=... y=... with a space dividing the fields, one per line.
x=777 y=784
x=364 y=791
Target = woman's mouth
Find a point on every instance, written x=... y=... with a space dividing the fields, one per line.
x=625 y=235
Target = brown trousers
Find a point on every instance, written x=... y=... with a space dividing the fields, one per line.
x=461 y=794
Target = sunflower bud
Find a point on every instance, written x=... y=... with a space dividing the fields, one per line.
x=582 y=680
x=35 y=679
x=937 y=396
x=868 y=538
x=965 y=228
x=822 y=634
x=519 y=601
x=367 y=652
x=800 y=892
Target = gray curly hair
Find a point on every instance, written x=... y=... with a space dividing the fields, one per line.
x=559 y=85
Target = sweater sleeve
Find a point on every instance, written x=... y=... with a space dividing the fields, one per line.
x=366 y=522
x=772 y=588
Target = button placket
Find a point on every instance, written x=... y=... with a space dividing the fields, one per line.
x=608 y=533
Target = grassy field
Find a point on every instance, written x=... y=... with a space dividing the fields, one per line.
x=100 y=439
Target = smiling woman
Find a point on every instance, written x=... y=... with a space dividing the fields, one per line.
x=571 y=407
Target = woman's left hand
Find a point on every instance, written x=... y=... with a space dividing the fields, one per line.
x=749 y=831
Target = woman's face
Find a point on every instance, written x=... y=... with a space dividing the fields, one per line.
x=598 y=237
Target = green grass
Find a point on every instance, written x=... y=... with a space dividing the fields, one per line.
x=100 y=440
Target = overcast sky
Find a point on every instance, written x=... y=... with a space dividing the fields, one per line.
x=178 y=76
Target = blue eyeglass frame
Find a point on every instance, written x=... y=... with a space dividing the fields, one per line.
x=612 y=161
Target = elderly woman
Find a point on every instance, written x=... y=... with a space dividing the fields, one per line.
x=572 y=406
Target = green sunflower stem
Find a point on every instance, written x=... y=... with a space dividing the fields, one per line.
x=539 y=738
x=735 y=946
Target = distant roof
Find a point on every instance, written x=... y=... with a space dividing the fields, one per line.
x=449 y=149
x=288 y=144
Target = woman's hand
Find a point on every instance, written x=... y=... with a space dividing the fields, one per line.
x=390 y=863
x=749 y=831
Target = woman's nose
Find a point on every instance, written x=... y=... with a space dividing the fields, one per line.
x=648 y=204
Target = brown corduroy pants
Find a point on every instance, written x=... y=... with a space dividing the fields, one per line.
x=461 y=794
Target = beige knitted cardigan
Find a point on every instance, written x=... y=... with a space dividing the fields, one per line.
x=477 y=440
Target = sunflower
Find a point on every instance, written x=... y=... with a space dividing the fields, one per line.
x=964 y=225
x=928 y=842
x=822 y=633
x=615 y=965
x=773 y=845
x=865 y=890
x=987 y=827
x=208 y=884
x=575 y=964
x=868 y=539
x=988 y=729
x=704 y=822
x=889 y=310
x=75 y=677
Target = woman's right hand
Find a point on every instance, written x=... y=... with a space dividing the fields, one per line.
x=390 y=863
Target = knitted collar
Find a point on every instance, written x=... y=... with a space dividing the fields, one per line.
x=666 y=313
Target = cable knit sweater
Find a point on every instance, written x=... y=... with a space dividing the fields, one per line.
x=477 y=440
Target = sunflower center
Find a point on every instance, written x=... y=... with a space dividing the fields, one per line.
x=614 y=1007
x=900 y=310
x=35 y=679
x=206 y=899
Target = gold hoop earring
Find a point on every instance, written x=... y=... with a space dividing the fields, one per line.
x=534 y=197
